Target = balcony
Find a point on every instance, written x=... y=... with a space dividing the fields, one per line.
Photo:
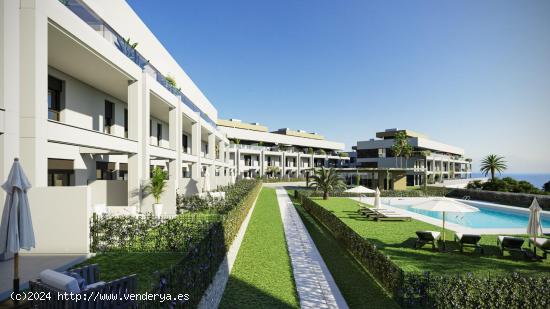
x=68 y=134
x=129 y=50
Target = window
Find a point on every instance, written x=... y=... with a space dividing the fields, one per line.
x=159 y=133
x=105 y=170
x=126 y=122
x=184 y=142
x=247 y=160
x=60 y=172
x=54 y=98
x=123 y=171
x=109 y=117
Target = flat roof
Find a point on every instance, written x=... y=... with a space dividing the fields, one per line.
x=242 y=125
x=393 y=132
x=299 y=133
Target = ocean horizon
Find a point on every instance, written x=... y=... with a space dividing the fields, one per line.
x=537 y=179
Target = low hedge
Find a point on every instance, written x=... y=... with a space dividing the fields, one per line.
x=274 y=180
x=429 y=191
x=424 y=290
x=205 y=243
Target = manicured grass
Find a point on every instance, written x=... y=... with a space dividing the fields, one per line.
x=116 y=265
x=396 y=239
x=262 y=276
x=359 y=288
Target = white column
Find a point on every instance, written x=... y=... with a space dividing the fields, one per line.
x=33 y=93
x=138 y=128
x=262 y=163
x=212 y=156
x=196 y=151
x=9 y=86
x=174 y=166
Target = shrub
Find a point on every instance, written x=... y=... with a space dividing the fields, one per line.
x=546 y=187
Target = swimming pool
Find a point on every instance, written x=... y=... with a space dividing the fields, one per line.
x=488 y=216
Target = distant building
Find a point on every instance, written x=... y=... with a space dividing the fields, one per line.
x=430 y=159
x=257 y=152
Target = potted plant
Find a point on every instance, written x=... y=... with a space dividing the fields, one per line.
x=156 y=187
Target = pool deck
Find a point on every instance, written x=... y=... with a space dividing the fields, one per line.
x=450 y=225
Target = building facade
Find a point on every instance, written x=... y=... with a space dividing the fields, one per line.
x=91 y=98
x=430 y=160
x=284 y=153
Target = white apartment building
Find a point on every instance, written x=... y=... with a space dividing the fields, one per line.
x=284 y=153
x=434 y=160
x=89 y=114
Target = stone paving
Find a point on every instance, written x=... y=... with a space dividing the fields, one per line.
x=314 y=283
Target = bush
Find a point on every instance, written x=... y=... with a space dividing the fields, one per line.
x=506 y=184
x=233 y=195
x=422 y=290
x=429 y=191
x=546 y=187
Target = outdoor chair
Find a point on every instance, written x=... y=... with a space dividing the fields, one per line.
x=426 y=237
x=84 y=281
x=471 y=240
x=389 y=215
x=541 y=243
x=510 y=244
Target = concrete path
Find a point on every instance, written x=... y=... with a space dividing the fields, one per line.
x=314 y=283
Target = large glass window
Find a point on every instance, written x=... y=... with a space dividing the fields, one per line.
x=54 y=98
x=159 y=133
x=60 y=172
x=109 y=117
x=105 y=171
x=126 y=122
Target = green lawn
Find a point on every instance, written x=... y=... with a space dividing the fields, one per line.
x=262 y=276
x=396 y=239
x=359 y=288
x=116 y=265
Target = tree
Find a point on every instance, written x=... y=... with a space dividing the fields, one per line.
x=272 y=170
x=407 y=152
x=399 y=142
x=326 y=180
x=491 y=164
x=310 y=151
x=546 y=187
x=157 y=184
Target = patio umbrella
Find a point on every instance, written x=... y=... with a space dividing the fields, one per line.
x=16 y=230
x=360 y=190
x=534 y=228
x=377 y=198
x=444 y=205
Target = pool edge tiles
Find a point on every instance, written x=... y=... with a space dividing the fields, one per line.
x=454 y=226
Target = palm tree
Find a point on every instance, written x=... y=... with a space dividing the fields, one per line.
x=407 y=152
x=326 y=180
x=492 y=163
x=157 y=184
x=399 y=142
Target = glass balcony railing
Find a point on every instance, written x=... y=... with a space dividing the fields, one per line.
x=129 y=50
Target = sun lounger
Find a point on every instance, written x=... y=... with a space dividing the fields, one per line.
x=426 y=237
x=472 y=240
x=510 y=244
x=390 y=216
x=541 y=243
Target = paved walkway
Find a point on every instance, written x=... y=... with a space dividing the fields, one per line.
x=314 y=283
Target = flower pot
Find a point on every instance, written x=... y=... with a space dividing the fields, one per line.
x=157 y=209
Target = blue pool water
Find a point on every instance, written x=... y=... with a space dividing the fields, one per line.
x=484 y=218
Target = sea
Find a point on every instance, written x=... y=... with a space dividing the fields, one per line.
x=538 y=180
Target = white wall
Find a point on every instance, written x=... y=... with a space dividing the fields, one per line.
x=165 y=142
x=109 y=192
x=85 y=105
x=60 y=218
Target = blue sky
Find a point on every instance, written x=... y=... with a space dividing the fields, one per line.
x=475 y=74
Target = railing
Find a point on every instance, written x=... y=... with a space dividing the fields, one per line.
x=124 y=45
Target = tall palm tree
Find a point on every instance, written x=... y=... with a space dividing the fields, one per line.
x=491 y=164
x=326 y=180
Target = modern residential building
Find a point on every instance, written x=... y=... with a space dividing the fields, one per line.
x=90 y=102
x=257 y=152
x=431 y=160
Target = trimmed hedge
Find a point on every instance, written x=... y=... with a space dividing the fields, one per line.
x=274 y=180
x=505 y=198
x=429 y=191
x=205 y=244
x=417 y=290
